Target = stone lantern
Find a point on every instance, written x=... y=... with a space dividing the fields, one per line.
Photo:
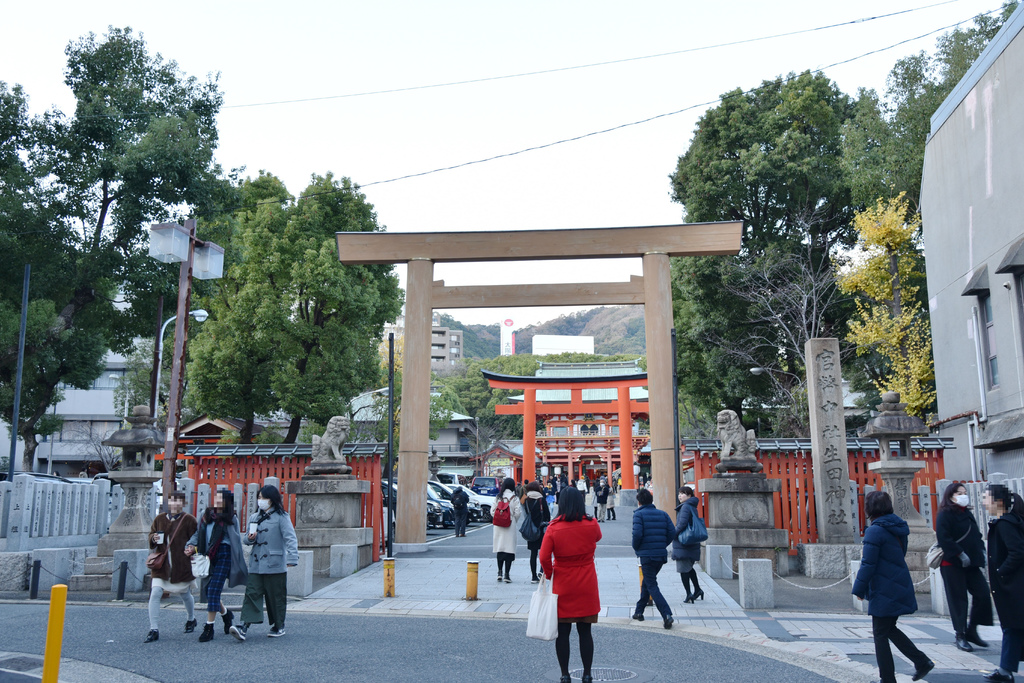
x=434 y=464
x=897 y=469
x=139 y=445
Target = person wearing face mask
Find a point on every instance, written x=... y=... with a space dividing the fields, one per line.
x=275 y=548
x=168 y=534
x=962 y=569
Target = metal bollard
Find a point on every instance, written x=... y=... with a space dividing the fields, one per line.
x=389 y=577
x=54 y=633
x=33 y=585
x=122 y=577
x=472 y=575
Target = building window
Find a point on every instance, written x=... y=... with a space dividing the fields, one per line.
x=989 y=341
x=615 y=430
x=559 y=431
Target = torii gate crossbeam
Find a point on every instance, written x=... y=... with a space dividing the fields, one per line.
x=655 y=245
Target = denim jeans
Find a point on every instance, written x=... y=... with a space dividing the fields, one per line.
x=1013 y=641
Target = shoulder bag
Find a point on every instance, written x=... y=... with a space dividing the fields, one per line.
x=934 y=556
x=694 y=533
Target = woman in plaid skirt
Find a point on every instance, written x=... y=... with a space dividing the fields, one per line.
x=217 y=537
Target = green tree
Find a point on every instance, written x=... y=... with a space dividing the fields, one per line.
x=293 y=329
x=79 y=191
x=771 y=159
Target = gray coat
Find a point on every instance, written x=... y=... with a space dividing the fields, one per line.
x=239 y=575
x=275 y=547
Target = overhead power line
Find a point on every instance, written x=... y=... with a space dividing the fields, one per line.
x=624 y=60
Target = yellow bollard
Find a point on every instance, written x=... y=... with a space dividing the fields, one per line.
x=54 y=633
x=472 y=574
x=389 y=577
x=650 y=600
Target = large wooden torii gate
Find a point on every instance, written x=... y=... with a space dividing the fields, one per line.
x=422 y=250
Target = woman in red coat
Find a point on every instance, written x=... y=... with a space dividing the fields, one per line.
x=572 y=539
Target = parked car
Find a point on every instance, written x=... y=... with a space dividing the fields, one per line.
x=435 y=514
x=448 y=478
x=445 y=492
x=486 y=486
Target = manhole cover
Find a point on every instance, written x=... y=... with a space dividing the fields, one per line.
x=605 y=674
x=21 y=663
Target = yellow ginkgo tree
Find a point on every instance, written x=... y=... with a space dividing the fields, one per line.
x=890 y=319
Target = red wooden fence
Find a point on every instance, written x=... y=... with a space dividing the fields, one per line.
x=794 y=506
x=230 y=470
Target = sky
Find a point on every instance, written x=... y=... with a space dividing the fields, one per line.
x=293 y=77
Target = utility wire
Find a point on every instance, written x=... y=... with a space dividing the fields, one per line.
x=624 y=60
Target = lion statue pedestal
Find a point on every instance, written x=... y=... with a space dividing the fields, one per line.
x=741 y=503
x=329 y=503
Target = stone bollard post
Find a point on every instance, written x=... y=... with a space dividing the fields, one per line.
x=719 y=561
x=756 y=588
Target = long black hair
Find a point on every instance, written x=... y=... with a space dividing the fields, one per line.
x=271 y=493
x=947 y=496
x=571 y=507
x=226 y=515
x=509 y=484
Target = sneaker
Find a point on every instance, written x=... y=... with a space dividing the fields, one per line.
x=239 y=632
x=207 y=634
x=152 y=635
x=190 y=625
x=228 y=617
x=275 y=632
x=507 y=579
x=535 y=579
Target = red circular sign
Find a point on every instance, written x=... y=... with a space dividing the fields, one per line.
x=508 y=322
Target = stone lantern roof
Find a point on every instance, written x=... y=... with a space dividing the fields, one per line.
x=892 y=420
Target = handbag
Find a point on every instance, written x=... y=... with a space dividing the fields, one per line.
x=157 y=559
x=542 y=623
x=694 y=533
x=529 y=530
x=934 y=556
x=200 y=566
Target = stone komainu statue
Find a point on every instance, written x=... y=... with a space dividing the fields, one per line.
x=739 y=446
x=328 y=457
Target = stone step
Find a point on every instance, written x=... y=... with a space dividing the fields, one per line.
x=99 y=565
x=89 y=582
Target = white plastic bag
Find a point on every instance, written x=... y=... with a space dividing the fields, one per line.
x=200 y=566
x=543 y=621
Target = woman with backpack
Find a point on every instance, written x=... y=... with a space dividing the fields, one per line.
x=217 y=537
x=536 y=507
x=275 y=548
x=686 y=555
x=507 y=510
x=567 y=558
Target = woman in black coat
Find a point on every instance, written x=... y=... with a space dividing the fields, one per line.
x=1006 y=574
x=884 y=580
x=686 y=555
x=963 y=558
x=537 y=507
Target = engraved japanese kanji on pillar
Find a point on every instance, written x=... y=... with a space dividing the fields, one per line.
x=828 y=442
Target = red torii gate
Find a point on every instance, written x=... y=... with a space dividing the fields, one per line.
x=530 y=409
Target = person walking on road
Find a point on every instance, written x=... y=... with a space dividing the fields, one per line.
x=504 y=543
x=963 y=559
x=686 y=555
x=884 y=580
x=601 y=493
x=1006 y=574
x=567 y=559
x=536 y=506
x=653 y=531
x=217 y=537
x=275 y=548
x=460 y=502
x=169 y=533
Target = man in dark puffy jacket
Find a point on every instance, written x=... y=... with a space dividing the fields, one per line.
x=460 y=501
x=653 y=531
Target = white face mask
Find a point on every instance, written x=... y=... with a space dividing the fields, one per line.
x=263 y=504
x=963 y=500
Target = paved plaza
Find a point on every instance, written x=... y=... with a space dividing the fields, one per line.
x=346 y=630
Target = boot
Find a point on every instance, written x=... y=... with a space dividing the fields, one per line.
x=507 y=579
x=207 y=634
x=190 y=625
x=962 y=644
x=972 y=637
x=689 y=597
x=227 y=617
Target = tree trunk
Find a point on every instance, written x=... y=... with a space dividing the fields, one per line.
x=293 y=429
x=28 y=435
x=245 y=433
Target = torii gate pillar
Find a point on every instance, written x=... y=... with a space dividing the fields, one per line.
x=655 y=244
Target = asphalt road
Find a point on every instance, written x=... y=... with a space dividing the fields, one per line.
x=360 y=648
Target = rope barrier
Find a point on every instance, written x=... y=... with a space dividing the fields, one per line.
x=811 y=588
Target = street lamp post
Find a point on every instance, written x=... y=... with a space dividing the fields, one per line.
x=170 y=243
